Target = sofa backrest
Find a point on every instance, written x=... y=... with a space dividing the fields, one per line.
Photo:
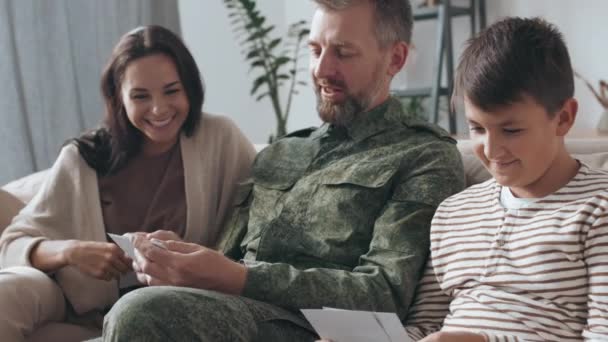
x=26 y=187
x=593 y=151
x=9 y=207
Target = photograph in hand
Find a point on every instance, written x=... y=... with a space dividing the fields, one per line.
x=125 y=243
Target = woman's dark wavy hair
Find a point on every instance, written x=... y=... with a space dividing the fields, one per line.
x=110 y=147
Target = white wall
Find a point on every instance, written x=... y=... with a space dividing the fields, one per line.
x=583 y=24
x=304 y=113
x=207 y=32
x=418 y=70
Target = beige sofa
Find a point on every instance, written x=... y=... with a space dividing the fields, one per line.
x=593 y=151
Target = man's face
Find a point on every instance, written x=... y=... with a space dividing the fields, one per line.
x=349 y=70
x=518 y=144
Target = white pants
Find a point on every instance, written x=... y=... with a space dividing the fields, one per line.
x=28 y=300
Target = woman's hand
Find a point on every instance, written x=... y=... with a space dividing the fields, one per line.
x=101 y=260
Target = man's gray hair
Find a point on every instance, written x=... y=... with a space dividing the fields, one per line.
x=393 y=18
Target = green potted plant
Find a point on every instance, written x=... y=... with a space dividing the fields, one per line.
x=275 y=60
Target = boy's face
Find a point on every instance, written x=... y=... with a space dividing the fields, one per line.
x=519 y=144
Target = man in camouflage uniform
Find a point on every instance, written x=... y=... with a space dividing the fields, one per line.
x=337 y=216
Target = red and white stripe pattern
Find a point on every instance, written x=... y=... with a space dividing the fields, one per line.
x=538 y=273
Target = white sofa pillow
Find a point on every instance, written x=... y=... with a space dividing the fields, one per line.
x=9 y=207
x=25 y=188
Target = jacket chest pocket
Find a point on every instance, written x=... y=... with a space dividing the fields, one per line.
x=361 y=185
x=348 y=201
x=268 y=200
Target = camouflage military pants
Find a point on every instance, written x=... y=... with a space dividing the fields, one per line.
x=183 y=314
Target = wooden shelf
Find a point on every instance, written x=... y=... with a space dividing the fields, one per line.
x=418 y=92
x=443 y=13
x=426 y=13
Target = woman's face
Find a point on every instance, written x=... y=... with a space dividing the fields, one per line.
x=155 y=101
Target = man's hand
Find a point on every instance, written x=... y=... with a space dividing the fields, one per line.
x=188 y=265
x=164 y=235
x=101 y=260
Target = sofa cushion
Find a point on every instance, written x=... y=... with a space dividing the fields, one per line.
x=475 y=172
x=25 y=188
x=593 y=152
x=595 y=160
x=9 y=207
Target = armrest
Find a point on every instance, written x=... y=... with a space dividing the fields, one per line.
x=9 y=207
x=25 y=188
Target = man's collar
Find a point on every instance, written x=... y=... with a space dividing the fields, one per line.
x=374 y=121
x=378 y=119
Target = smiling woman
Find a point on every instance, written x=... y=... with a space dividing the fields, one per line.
x=151 y=77
x=155 y=101
x=157 y=166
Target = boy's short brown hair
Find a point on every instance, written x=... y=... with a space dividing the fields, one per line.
x=513 y=58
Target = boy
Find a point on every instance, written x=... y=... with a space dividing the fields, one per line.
x=523 y=256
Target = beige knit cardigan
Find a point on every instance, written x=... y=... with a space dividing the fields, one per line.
x=215 y=159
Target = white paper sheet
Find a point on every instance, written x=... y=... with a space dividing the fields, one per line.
x=124 y=243
x=129 y=279
x=356 y=326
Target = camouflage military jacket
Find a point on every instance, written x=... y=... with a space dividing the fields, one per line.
x=340 y=217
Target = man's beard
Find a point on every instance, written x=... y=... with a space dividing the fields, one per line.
x=340 y=114
x=345 y=112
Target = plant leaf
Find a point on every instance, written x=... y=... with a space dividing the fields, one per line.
x=274 y=43
x=257 y=83
x=262 y=96
x=280 y=61
x=267 y=30
x=248 y=5
x=252 y=54
x=258 y=63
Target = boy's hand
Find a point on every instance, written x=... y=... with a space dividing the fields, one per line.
x=454 y=336
x=447 y=336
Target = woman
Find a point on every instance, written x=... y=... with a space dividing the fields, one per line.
x=157 y=165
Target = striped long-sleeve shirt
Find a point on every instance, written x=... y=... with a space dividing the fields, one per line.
x=537 y=273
